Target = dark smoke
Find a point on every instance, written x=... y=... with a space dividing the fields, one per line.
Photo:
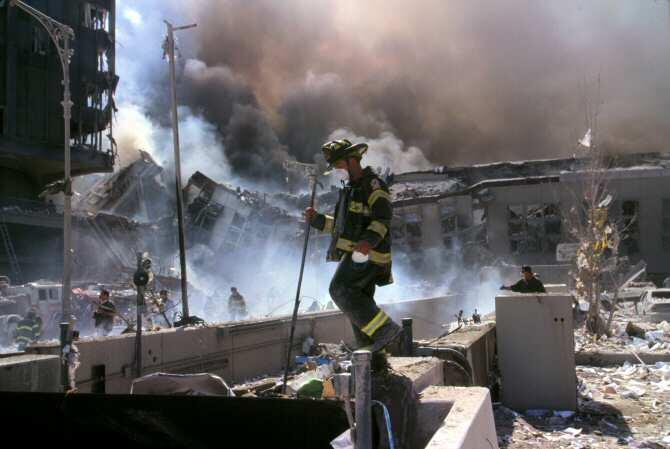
x=465 y=81
x=253 y=148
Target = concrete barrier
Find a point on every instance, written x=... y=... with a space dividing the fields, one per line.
x=536 y=351
x=422 y=371
x=477 y=343
x=469 y=420
x=29 y=372
x=559 y=289
x=235 y=351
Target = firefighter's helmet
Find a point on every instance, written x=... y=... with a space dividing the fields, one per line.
x=339 y=149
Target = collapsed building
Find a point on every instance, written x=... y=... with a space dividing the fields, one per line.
x=515 y=211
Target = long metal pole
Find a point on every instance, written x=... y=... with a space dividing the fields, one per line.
x=67 y=218
x=177 y=168
x=296 y=304
x=361 y=363
x=61 y=35
x=138 y=326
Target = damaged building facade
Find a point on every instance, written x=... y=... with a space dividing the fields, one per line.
x=233 y=222
x=515 y=211
x=31 y=124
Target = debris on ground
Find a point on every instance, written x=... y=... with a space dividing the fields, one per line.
x=310 y=375
x=624 y=406
x=628 y=333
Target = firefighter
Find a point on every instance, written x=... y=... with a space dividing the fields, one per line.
x=28 y=330
x=529 y=284
x=166 y=307
x=104 y=315
x=361 y=244
x=237 y=307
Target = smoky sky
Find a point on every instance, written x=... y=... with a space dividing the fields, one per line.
x=464 y=81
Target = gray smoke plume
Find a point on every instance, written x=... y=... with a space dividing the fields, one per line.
x=463 y=81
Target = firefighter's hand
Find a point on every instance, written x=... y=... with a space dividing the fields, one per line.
x=310 y=212
x=363 y=247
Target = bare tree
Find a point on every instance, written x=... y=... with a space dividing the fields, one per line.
x=589 y=223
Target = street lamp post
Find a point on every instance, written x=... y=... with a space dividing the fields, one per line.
x=169 y=49
x=61 y=35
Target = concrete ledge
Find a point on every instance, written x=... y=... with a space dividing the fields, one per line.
x=606 y=358
x=29 y=372
x=477 y=344
x=235 y=351
x=422 y=371
x=469 y=420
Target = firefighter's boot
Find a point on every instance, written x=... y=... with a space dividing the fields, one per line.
x=385 y=335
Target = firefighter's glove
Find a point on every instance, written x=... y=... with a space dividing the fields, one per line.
x=363 y=247
x=310 y=213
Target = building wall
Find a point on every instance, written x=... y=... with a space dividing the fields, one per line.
x=497 y=215
x=647 y=187
x=431 y=214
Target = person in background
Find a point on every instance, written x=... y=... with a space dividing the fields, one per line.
x=166 y=308
x=28 y=329
x=529 y=284
x=237 y=307
x=104 y=315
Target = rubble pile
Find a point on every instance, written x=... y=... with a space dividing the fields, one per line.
x=627 y=334
x=408 y=190
x=311 y=377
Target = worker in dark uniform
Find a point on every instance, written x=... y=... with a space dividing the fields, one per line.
x=104 y=315
x=529 y=284
x=28 y=330
x=361 y=244
x=237 y=307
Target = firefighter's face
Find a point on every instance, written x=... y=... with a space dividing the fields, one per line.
x=527 y=275
x=341 y=165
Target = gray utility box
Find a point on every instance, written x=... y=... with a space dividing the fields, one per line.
x=536 y=351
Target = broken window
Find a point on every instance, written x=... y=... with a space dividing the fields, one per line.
x=630 y=241
x=397 y=229
x=95 y=17
x=533 y=228
x=665 y=225
x=204 y=213
x=449 y=221
x=413 y=224
x=406 y=229
x=42 y=295
x=235 y=232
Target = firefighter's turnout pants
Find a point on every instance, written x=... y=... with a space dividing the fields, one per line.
x=352 y=289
